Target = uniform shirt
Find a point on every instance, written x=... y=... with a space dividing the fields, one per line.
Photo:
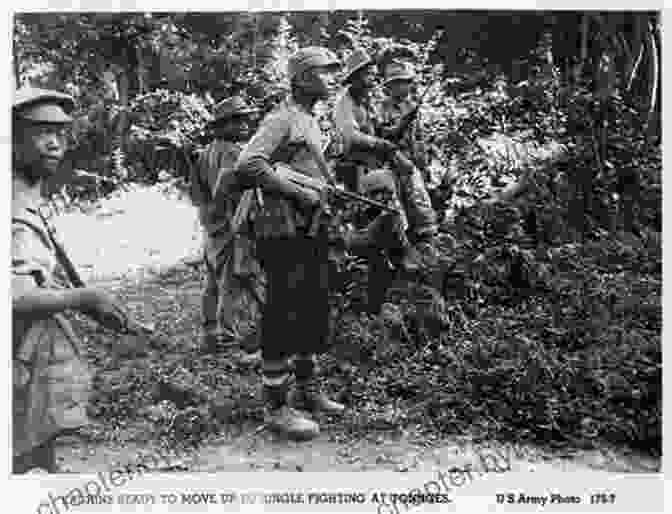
x=390 y=113
x=356 y=125
x=51 y=381
x=284 y=136
x=211 y=188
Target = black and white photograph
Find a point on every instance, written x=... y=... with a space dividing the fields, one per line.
x=335 y=240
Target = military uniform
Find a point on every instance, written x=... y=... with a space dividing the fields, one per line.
x=296 y=322
x=422 y=217
x=51 y=380
x=358 y=124
x=389 y=113
x=296 y=315
x=234 y=282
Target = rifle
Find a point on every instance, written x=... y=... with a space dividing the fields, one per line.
x=322 y=187
x=75 y=279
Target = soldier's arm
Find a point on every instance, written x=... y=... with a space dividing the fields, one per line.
x=254 y=167
x=28 y=299
x=353 y=137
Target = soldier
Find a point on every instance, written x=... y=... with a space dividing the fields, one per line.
x=296 y=315
x=233 y=276
x=397 y=104
x=51 y=381
x=356 y=120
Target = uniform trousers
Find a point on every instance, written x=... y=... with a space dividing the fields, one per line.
x=295 y=318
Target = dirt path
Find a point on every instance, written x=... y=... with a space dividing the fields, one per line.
x=135 y=237
x=252 y=451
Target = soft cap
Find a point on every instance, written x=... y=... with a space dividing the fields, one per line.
x=42 y=105
x=310 y=57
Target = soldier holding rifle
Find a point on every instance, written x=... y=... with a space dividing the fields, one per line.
x=295 y=322
x=359 y=125
x=51 y=381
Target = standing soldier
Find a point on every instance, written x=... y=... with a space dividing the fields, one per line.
x=296 y=314
x=51 y=381
x=233 y=281
x=396 y=106
x=356 y=120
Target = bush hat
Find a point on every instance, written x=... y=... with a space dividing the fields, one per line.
x=42 y=105
x=230 y=108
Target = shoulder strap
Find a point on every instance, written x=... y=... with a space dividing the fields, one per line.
x=35 y=227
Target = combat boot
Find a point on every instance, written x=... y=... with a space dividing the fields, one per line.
x=290 y=423
x=308 y=397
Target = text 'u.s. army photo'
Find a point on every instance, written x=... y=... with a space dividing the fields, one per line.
x=420 y=241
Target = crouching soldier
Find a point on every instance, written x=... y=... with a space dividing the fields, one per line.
x=233 y=277
x=295 y=322
x=366 y=149
x=51 y=379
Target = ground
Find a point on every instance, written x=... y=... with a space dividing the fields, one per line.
x=143 y=245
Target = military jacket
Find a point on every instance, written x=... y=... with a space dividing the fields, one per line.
x=284 y=136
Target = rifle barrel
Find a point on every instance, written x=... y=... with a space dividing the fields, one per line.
x=364 y=199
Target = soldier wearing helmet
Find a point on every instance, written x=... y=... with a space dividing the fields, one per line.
x=295 y=322
x=366 y=148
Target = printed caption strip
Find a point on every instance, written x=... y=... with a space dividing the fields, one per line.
x=488 y=482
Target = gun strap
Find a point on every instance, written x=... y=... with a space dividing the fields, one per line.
x=59 y=251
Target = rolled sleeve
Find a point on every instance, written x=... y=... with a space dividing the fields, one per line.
x=25 y=267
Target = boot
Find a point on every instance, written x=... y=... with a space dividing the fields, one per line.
x=307 y=396
x=291 y=423
x=280 y=417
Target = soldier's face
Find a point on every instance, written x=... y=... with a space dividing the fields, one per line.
x=365 y=78
x=320 y=81
x=40 y=147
